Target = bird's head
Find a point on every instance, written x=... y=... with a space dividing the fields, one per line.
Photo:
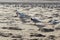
x=32 y=18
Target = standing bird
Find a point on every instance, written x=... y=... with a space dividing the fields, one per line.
x=54 y=22
x=22 y=16
x=35 y=20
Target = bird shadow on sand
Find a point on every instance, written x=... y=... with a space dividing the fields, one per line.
x=24 y=20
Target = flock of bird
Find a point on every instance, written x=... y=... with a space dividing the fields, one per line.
x=23 y=16
x=35 y=20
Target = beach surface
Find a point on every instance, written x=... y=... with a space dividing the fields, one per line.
x=12 y=28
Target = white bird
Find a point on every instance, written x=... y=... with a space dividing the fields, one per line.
x=22 y=16
x=35 y=20
x=54 y=22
